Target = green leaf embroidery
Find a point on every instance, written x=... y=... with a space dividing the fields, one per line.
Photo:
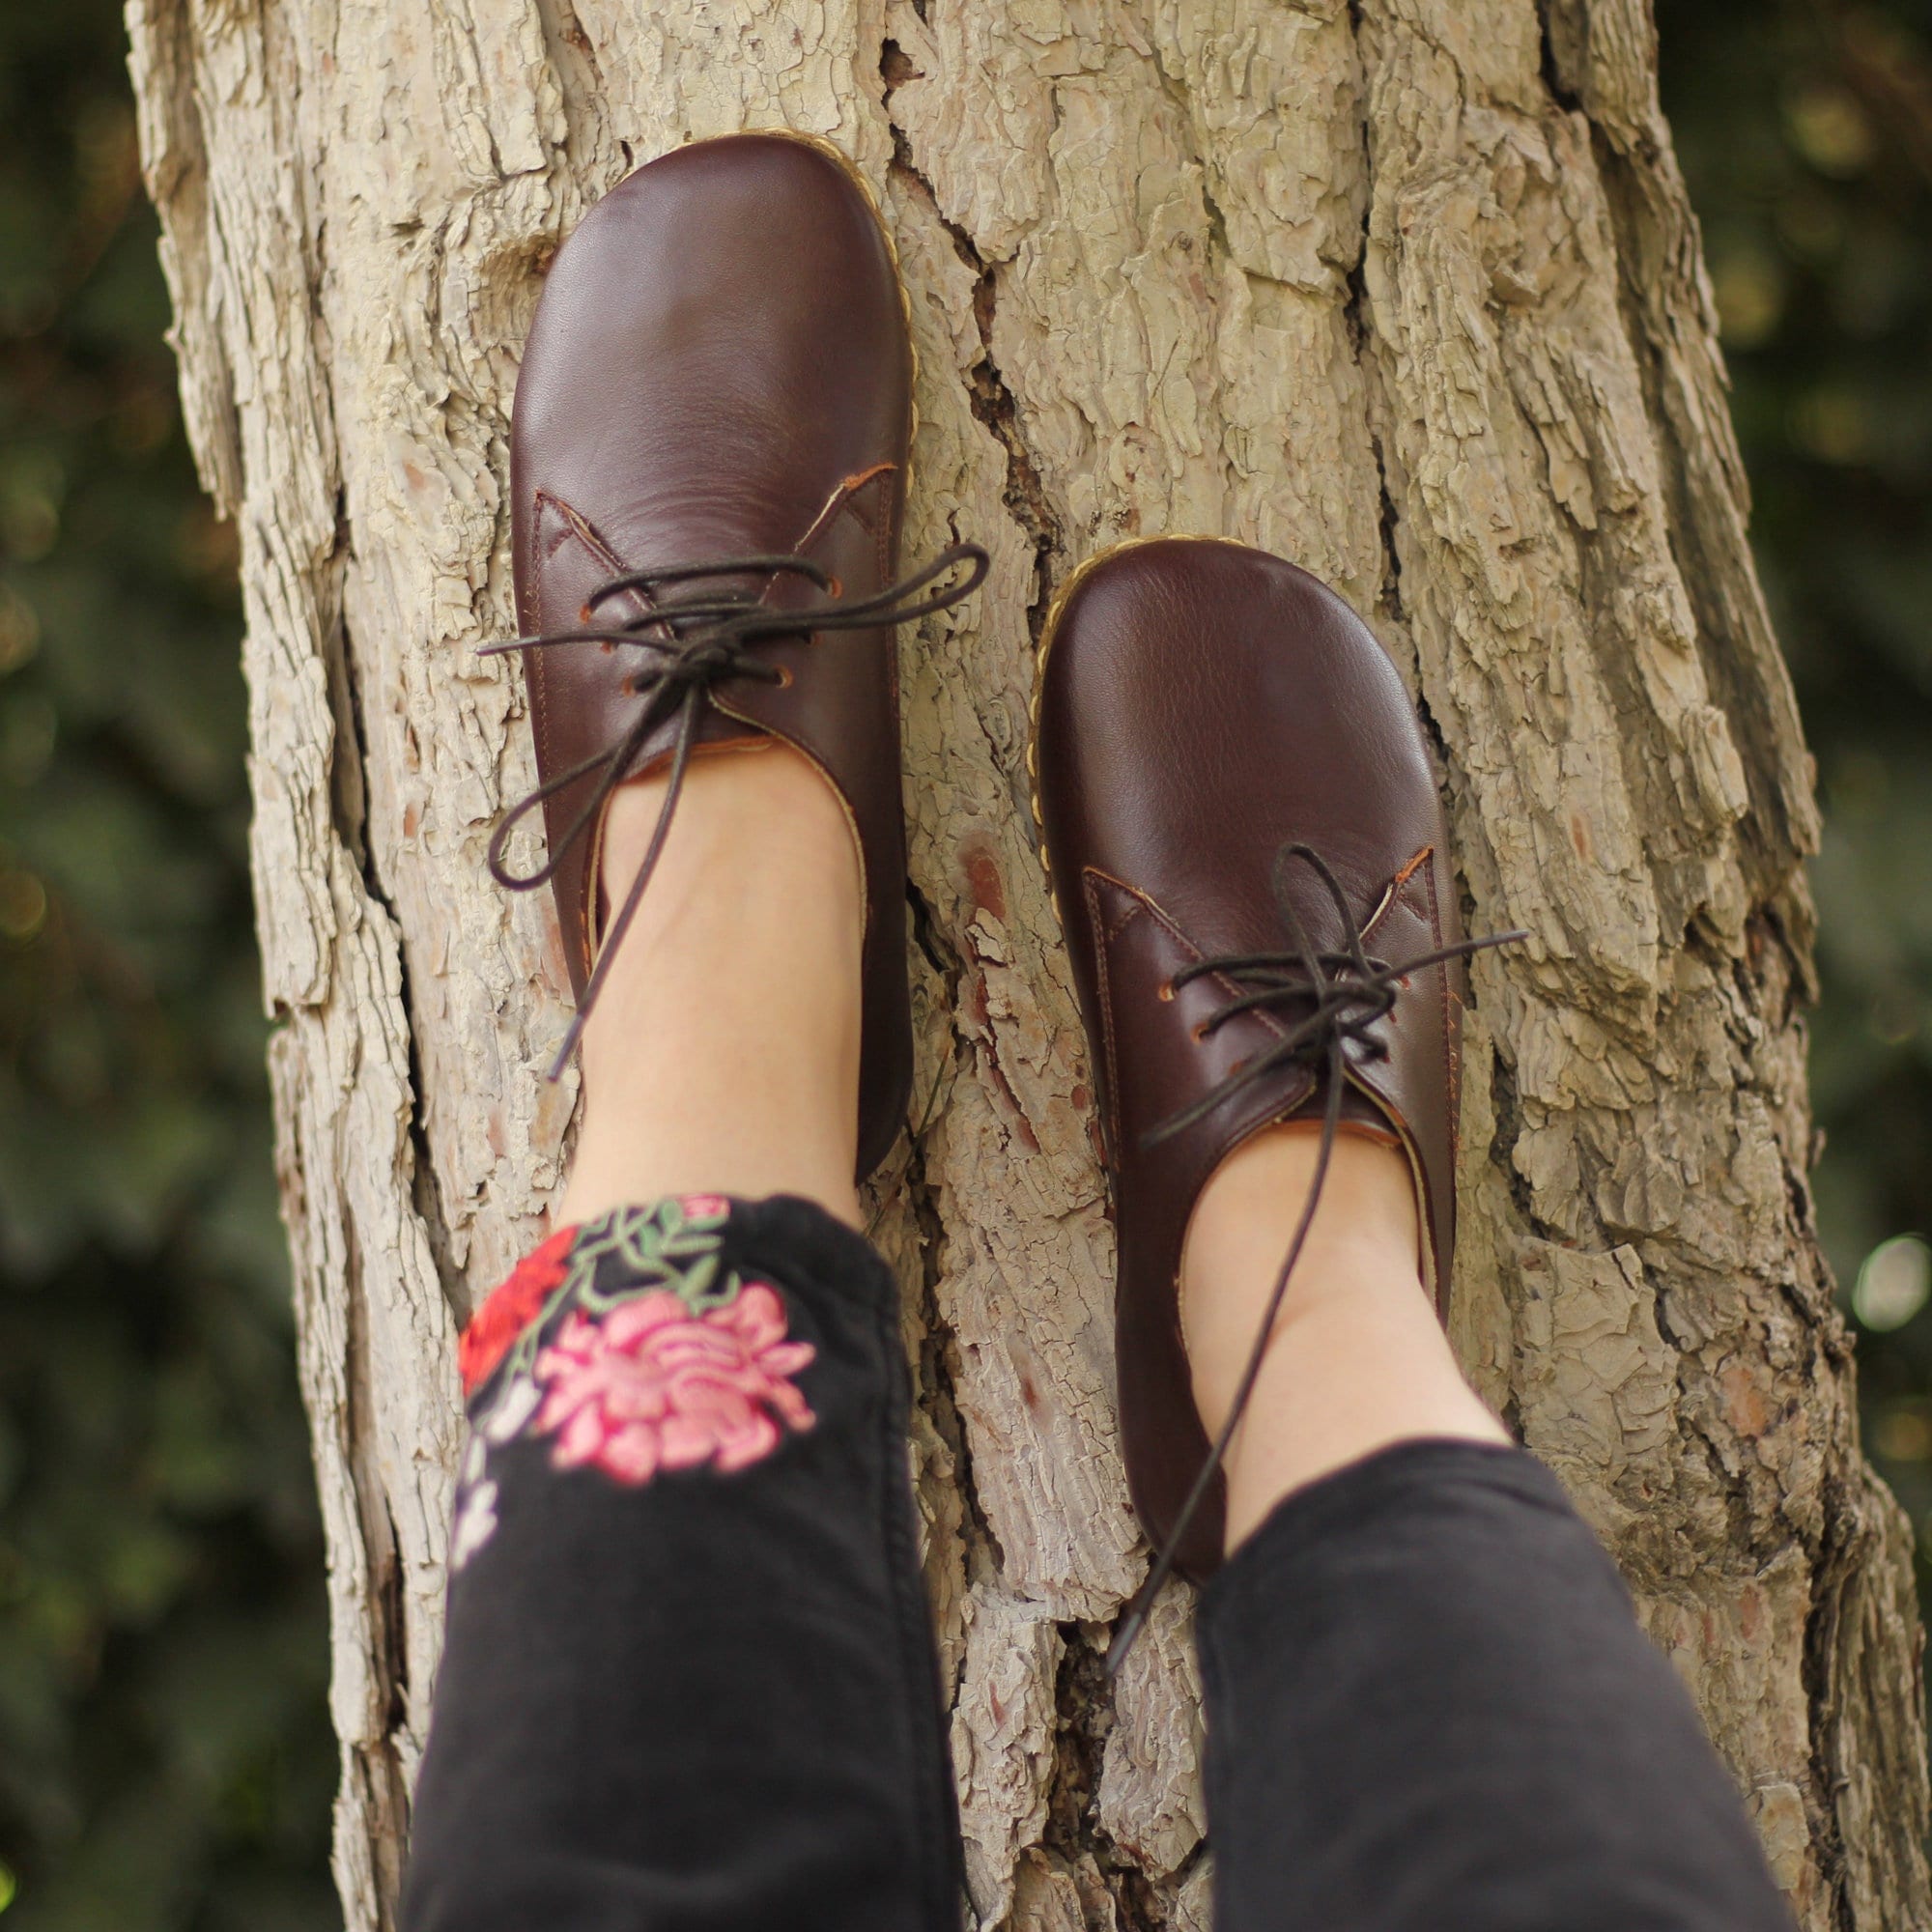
x=661 y=1246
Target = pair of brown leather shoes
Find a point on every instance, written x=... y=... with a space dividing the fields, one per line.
x=709 y=462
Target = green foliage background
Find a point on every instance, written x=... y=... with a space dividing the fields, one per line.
x=1806 y=132
x=164 y=1751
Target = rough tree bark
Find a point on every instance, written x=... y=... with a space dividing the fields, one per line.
x=1406 y=290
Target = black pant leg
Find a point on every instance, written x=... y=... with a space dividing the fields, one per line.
x=1429 y=1709
x=702 y=1698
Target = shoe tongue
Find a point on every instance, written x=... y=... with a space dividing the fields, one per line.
x=1360 y=1113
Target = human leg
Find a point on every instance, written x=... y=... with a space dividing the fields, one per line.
x=1357 y=1361
x=1428 y=1703
x=688 y=1682
x=724 y=1054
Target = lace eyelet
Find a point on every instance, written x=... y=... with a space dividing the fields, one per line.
x=1199 y=1034
x=1166 y=993
x=784 y=677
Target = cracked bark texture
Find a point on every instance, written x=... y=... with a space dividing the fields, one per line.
x=1405 y=290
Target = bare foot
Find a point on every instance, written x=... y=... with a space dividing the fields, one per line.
x=722 y=1057
x=1357 y=1359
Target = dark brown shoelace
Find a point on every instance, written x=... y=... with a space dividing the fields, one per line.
x=691 y=648
x=1333 y=999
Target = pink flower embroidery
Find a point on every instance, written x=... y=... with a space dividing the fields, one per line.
x=704 y=1207
x=651 y=1386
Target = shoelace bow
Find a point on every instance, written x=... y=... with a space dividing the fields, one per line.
x=1338 y=997
x=695 y=646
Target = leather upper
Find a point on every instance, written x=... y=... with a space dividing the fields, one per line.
x=720 y=367
x=1202 y=706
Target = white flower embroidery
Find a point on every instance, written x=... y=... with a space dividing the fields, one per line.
x=513 y=1408
x=475 y=1523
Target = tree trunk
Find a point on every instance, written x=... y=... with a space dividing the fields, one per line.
x=1405 y=290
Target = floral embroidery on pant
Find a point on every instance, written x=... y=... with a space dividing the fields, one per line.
x=681 y=1365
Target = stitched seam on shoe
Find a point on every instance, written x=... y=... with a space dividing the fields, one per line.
x=1396 y=887
x=1133 y=911
x=540 y=696
x=1173 y=930
x=865 y=922
x=1102 y=939
x=889 y=482
x=1451 y=1056
x=540 y=708
x=892 y=520
x=1452 y=1074
x=580 y=529
x=586 y=533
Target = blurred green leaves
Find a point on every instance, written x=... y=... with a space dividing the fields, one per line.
x=164 y=1752
x=1806 y=132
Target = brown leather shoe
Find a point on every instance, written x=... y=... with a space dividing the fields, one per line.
x=708 y=461
x=1242 y=829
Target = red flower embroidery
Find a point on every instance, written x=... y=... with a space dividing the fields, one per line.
x=511 y=1307
x=654 y=1387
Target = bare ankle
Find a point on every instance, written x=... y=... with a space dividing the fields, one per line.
x=1365 y=1225
x=723 y=1055
x=1356 y=1358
